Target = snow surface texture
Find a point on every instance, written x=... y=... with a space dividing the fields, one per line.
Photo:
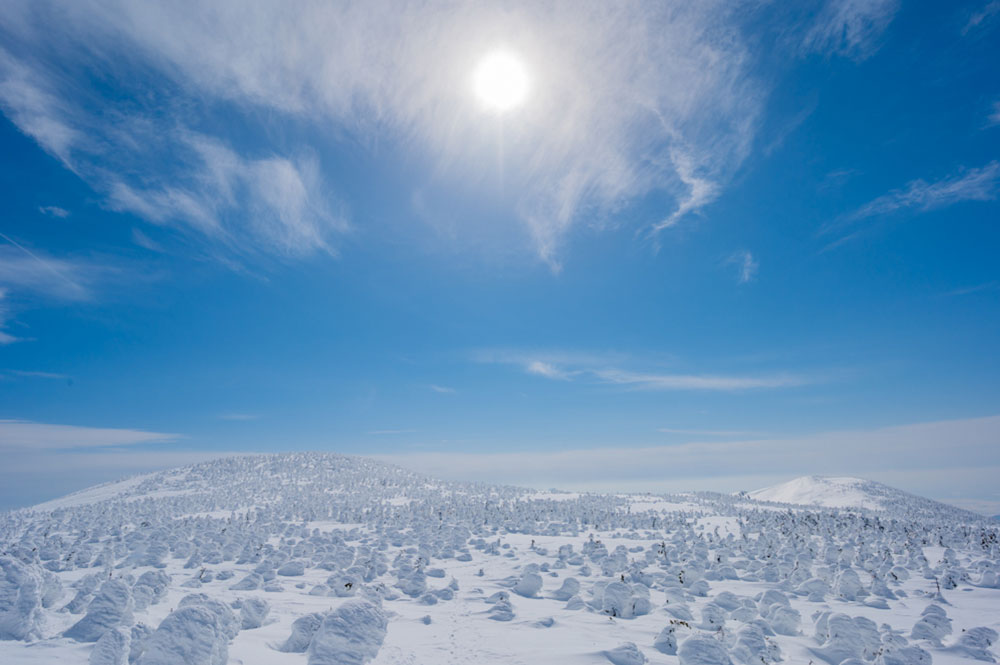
x=319 y=559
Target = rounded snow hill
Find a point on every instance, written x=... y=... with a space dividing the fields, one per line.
x=858 y=493
x=830 y=492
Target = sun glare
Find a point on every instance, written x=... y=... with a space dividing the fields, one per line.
x=501 y=81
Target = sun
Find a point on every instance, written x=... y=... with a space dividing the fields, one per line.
x=501 y=81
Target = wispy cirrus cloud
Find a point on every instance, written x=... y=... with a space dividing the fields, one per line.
x=35 y=275
x=54 y=211
x=700 y=191
x=850 y=28
x=615 y=88
x=244 y=203
x=975 y=288
x=970 y=185
x=5 y=337
x=33 y=103
x=548 y=370
x=614 y=370
x=27 y=435
x=147 y=161
x=32 y=374
x=975 y=184
x=746 y=266
x=443 y=390
x=40 y=275
x=660 y=381
x=37 y=272
x=983 y=16
x=994 y=116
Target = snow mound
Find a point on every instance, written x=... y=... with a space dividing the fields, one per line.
x=626 y=654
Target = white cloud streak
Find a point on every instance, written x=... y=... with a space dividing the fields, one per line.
x=850 y=28
x=994 y=116
x=982 y=17
x=29 y=374
x=36 y=272
x=36 y=108
x=26 y=435
x=548 y=370
x=602 y=370
x=54 y=211
x=700 y=192
x=5 y=337
x=271 y=203
x=705 y=382
x=31 y=272
x=976 y=184
x=746 y=264
x=970 y=185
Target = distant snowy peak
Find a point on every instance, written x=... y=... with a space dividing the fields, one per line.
x=846 y=492
x=829 y=492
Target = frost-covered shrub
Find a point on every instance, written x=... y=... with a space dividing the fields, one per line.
x=111 y=607
x=701 y=649
x=24 y=590
x=113 y=648
x=225 y=618
x=753 y=648
x=975 y=643
x=249 y=583
x=934 y=625
x=667 y=639
x=529 y=585
x=150 y=588
x=784 y=620
x=292 y=569
x=191 y=635
x=350 y=635
x=303 y=630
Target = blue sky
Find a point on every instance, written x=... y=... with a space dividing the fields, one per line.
x=717 y=246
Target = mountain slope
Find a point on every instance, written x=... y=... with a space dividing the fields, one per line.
x=856 y=493
x=320 y=559
x=830 y=492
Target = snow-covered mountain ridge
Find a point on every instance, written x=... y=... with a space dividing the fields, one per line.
x=847 y=492
x=321 y=559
